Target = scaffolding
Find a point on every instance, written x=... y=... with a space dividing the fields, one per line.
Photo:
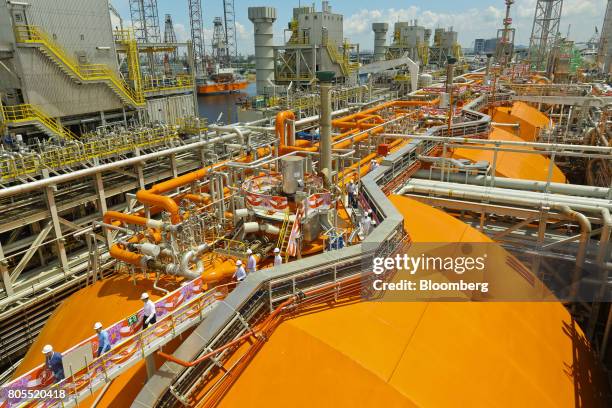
x=220 y=50
x=229 y=16
x=197 y=35
x=170 y=35
x=145 y=20
x=544 y=33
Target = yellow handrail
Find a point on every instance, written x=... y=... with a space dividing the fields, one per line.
x=283 y=231
x=153 y=84
x=86 y=72
x=57 y=158
x=345 y=65
x=29 y=113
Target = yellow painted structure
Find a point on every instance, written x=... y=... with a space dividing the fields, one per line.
x=419 y=354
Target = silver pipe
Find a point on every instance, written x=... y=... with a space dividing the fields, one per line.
x=585 y=233
x=325 y=143
x=526 y=198
x=36 y=185
x=518 y=184
x=157 y=287
x=455 y=162
x=233 y=129
x=511 y=125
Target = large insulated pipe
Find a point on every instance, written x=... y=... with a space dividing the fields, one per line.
x=263 y=19
x=516 y=184
x=325 y=147
x=380 y=40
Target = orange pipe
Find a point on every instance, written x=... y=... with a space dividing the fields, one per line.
x=197 y=198
x=363 y=163
x=164 y=202
x=281 y=117
x=111 y=216
x=126 y=256
x=179 y=181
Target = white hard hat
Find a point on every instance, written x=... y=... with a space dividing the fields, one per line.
x=239 y=262
x=47 y=349
x=369 y=211
x=144 y=296
x=276 y=250
x=249 y=251
x=97 y=326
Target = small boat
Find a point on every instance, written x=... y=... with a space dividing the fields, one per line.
x=223 y=81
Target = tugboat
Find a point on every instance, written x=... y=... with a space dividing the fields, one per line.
x=224 y=80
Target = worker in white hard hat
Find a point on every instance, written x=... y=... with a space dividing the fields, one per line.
x=364 y=224
x=278 y=259
x=53 y=362
x=240 y=273
x=351 y=191
x=149 y=315
x=103 y=339
x=251 y=262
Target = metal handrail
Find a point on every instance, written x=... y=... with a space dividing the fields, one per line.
x=86 y=72
x=29 y=113
x=60 y=157
x=126 y=351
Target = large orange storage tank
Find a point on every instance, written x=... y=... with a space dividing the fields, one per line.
x=420 y=354
x=525 y=166
x=530 y=119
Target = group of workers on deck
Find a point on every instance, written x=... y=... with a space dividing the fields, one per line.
x=54 y=361
x=251 y=266
x=366 y=222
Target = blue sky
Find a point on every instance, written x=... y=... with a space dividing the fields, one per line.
x=471 y=18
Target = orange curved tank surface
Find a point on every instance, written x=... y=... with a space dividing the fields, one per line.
x=109 y=301
x=106 y=301
x=529 y=118
x=513 y=164
x=425 y=354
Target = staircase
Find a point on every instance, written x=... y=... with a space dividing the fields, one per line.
x=345 y=65
x=27 y=114
x=83 y=73
x=283 y=236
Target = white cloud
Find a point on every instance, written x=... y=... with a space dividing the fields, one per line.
x=361 y=22
x=182 y=33
x=471 y=23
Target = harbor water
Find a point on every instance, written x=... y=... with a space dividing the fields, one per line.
x=224 y=105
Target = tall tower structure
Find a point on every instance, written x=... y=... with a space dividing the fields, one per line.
x=197 y=35
x=145 y=21
x=229 y=16
x=169 y=34
x=263 y=19
x=505 y=38
x=219 y=48
x=380 y=40
x=545 y=30
x=604 y=54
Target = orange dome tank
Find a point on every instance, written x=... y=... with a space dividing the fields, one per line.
x=425 y=354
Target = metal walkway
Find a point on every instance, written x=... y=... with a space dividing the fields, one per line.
x=177 y=312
